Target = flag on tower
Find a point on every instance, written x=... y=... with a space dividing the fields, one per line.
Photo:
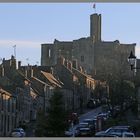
x=94 y=5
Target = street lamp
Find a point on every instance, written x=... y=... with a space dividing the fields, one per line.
x=74 y=92
x=132 y=61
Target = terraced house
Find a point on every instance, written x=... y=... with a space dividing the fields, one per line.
x=17 y=97
x=27 y=89
x=7 y=112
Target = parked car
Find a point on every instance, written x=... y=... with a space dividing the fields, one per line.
x=69 y=133
x=104 y=116
x=106 y=135
x=128 y=134
x=91 y=103
x=103 y=100
x=18 y=132
x=117 y=108
x=92 y=124
x=98 y=102
x=84 y=132
x=90 y=121
x=115 y=130
x=81 y=125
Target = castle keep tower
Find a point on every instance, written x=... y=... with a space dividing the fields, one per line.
x=98 y=58
x=95 y=27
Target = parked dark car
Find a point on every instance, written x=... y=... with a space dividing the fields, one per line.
x=104 y=100
x=91 y=103
x=92 y=123
x=104 y=116
x=98 y=102
x=85 y=132
x=81 y=125
x=69 y=133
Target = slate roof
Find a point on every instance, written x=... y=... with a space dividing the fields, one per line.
x=4 y=91
x=52 y=79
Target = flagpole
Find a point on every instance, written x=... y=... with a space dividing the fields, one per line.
x=14 y=50
x=94 y=6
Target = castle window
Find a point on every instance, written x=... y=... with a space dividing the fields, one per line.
x=49 y=53
x=82 y=58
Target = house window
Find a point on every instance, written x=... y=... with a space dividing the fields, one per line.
x=8 y=123
x=1 y=122
x=2 y=102
x=82 y=58
x=9 y=105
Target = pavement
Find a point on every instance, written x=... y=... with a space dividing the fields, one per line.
x=134 y=121
x=30 y=131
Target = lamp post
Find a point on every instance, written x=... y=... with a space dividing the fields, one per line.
x=132 y=61
x=73 y=96
x=74 y=92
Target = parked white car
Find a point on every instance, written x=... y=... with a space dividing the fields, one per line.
x=116 y=130
x=18 y=132
x=128 y=134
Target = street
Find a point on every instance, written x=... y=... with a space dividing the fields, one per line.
x=89 y=115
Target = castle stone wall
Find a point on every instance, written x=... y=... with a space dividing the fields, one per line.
x=98 y=58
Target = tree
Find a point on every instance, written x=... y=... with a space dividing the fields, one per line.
x=126 y=91
x=56 y=116
x=98 y=91
x=41 y=124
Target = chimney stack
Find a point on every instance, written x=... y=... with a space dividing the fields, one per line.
x=26 y=72
x=52 y=70
x=69 y=65
x=2 y=71
x=19 y=64
x=32 y=72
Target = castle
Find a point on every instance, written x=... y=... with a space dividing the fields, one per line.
x=96 y=57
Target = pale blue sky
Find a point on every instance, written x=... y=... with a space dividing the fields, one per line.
x=29 y=25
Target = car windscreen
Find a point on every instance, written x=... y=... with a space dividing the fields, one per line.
x=84 y=130
x=83 y=125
